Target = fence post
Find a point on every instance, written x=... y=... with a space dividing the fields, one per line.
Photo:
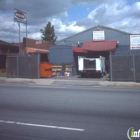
x=110 y=65
x=134 y=70
x=17 y=65
x=38 y=63
x=6 y=67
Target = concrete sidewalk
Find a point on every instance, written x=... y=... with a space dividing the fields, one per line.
x=73 y=82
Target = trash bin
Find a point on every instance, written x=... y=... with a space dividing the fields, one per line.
x=45 y=69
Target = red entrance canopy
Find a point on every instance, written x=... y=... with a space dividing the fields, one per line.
x=79 y=50
x=100 y=45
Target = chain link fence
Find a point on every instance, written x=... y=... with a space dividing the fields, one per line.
x=11 y=66
x=125 y=67
x=23 y=66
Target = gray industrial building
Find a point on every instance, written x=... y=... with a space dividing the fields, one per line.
x=94 y=42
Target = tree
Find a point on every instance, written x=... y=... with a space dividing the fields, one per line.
x=48 y=33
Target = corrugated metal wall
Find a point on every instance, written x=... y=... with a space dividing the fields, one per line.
x=123 y=39
x=62 y=55
x=110 y=34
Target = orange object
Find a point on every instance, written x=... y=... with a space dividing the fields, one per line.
x=45 y=69
x=32 y=50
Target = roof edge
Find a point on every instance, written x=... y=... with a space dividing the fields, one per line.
x=102 y=26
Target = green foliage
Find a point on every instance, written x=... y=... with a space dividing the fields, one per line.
x=48 y=33
x=2 y=74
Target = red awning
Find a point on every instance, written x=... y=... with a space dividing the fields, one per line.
x=79 y=50
x=100 y=45
x=32 y=50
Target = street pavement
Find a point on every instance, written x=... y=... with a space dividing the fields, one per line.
x=37 y=112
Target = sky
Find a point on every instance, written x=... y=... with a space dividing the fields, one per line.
x=68 y=17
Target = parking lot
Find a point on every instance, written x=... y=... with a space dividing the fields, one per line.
x=78 y=77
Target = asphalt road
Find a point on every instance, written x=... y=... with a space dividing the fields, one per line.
x=30 y=112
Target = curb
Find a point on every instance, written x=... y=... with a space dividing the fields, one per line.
x=70 y=82
x=28 y=81
x=120 y=84
x=76 y=83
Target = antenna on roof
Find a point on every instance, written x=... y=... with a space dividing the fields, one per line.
x=98 y=27
x=78 y=44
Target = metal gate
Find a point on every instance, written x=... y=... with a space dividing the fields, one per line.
x=23 y=65
x=125 y=67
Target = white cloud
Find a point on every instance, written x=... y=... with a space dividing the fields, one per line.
x=67 y=29
x=36 y=35
x=118 y=14
x=64 y=14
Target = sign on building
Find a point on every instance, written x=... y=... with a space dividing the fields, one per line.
x=20 y=16
x=134 y=42
x=98 y=35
